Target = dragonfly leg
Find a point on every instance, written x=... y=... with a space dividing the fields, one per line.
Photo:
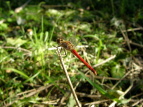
x=62 y=49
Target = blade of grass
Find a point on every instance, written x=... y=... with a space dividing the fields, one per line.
x=99 y=88
x=31 y=78
x=19 y=72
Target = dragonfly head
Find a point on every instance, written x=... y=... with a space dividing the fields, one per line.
x=65 y=44
x=59 y=40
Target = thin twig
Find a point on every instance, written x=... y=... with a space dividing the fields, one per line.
x=136 y=103
x=97 y=102
x=126 y=38
x=121 y=79
x=25 y=50
x=28 y=94
x=18 y=48
x=135 y=44
x=18 y=9
x=82 y=46
x=107 y=60
x=133 y=29
x=68 y=78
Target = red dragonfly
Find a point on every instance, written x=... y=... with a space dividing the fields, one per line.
x=69 y=46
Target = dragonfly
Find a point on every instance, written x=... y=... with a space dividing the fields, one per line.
x=70 y=47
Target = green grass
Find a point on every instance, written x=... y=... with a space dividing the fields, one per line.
x=30 y=69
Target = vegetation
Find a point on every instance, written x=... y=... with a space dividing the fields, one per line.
x=108 y=34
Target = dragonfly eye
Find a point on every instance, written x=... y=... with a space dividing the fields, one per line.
x=59 y=40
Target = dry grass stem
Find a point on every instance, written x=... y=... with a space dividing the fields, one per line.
x=68 y=78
